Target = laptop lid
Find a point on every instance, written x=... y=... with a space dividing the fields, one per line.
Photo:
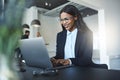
x=35 y=53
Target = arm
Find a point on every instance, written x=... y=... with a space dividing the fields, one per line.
x=59 y=58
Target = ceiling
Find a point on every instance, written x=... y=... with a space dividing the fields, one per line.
x=53 y=7
x=46 y=4
x=55 y=12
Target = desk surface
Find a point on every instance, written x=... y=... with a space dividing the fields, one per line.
x=77 y=73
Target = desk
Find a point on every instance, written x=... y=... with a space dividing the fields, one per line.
x=78 y=73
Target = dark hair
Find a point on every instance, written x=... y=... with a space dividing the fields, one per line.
x=72 y=10
x=26 y=31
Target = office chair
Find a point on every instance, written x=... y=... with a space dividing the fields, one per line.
x=19 y=58
x=102 y=66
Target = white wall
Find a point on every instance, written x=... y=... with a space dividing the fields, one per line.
x=50 y=26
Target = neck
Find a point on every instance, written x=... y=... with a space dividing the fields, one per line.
x=72 y=29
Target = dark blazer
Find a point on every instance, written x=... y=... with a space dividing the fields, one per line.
x=24 y=37
x=83 y=47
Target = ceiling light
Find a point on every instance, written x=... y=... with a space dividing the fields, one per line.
x=35 y=23
x=49 y=4
x=25 y=26
x=46 y=3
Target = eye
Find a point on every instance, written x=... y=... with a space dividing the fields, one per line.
x=66 y=19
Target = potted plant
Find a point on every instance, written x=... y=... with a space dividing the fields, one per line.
x=10 y=32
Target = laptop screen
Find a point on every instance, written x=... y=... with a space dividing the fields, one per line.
x=34 y=52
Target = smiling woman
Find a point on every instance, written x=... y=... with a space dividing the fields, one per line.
x=74 y=43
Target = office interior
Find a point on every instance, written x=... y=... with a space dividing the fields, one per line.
x=101 y=16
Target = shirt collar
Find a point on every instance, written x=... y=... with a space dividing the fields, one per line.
x=68 y=32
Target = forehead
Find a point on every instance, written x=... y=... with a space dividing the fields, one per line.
x=64 y=15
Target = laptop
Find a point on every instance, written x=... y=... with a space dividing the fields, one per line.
x=35 y=53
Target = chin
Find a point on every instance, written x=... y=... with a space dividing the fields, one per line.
x=67 y=28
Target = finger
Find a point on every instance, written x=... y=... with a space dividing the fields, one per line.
x=52 y=59
x=66 y=62
x=62 y=61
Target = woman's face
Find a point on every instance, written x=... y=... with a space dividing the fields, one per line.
x=68 y=21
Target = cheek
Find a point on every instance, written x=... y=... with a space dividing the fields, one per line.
x=72 y=23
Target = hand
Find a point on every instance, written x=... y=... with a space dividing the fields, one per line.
x=59 y=62
x=63 y=61
x=66 y=62
x=56 y=62
x=53 y=60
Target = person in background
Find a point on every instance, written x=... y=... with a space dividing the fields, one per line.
x=75 y=42
x=18 y=54
x=38 y=34
x=25 y=27
x=26 y=35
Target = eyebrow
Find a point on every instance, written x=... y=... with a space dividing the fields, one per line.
x=66 y=18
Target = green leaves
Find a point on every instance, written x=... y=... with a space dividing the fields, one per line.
x=9 y=39
x=10 y=27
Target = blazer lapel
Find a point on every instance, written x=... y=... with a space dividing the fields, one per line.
x=64 y=38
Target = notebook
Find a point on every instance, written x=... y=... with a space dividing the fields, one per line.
x=35 y=53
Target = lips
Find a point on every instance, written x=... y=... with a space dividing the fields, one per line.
x=66 y=26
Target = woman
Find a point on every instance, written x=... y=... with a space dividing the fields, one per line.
x=75 y=42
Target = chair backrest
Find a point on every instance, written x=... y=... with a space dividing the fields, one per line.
x=103 y=66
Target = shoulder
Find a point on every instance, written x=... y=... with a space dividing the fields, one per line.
x=87 y=32
x=86 y=35
x=62 y=33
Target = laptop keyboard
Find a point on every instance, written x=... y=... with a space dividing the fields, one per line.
x=60 y=67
